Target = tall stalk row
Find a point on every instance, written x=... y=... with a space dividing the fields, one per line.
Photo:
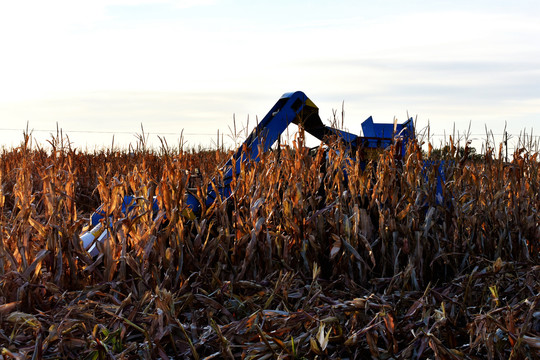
x=302 y=233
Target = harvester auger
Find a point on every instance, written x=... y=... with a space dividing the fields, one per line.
x=294 y=107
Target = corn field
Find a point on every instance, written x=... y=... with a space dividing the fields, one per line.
x=310 y=257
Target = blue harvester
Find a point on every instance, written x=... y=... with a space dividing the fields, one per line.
x=294 y=107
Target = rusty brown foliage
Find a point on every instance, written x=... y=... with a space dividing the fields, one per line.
x=311 y=257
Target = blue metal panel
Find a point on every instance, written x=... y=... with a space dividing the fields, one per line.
x=386 y=131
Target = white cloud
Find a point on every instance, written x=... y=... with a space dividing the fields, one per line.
x=442 y=65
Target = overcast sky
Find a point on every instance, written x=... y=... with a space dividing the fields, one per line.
x=101 y=67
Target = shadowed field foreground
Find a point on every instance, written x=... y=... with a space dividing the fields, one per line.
x=297 y=263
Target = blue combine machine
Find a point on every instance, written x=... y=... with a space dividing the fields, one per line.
x=294 y=108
